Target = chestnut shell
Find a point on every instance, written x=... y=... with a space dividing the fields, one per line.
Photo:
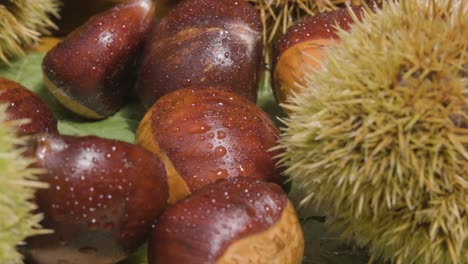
x=103 y=198
x=214 y=43
x=303 y=47
x=201 y=227
x=321 y=26
x=25 y=104
x=93 y=69
x=210 y=134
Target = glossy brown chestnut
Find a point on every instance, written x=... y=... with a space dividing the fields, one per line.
x=103 y=198
x=206 y=134
x=75 y=13
x=236 y=220
x=215 y=43
x=303 y=46
x=92 y=70
x=23 y=104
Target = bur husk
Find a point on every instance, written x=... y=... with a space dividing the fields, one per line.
x=22 y=22
x=379 y=137
x=17 y=186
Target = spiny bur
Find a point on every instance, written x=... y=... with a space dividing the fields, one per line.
x=22 y=22
x=17 y=188
x=382 y=138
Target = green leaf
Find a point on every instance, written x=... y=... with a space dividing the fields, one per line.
x=266 y=100
x=121 y=126
x=321 y=246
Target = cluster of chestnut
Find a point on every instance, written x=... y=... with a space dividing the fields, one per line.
x=200 y=182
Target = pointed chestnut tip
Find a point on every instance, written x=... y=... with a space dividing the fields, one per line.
x=146 y=5
x=92 y=71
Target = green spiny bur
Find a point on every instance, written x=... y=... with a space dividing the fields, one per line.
x=18 y=183
x=22 y=22
x=380 y=137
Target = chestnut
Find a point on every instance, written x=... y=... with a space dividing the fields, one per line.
x=92 y=70
x=303 y=46
x=23 y=104
x=103 y=198
x=216 y=43
x=75 y=13
x=205 y=134
x=235 y=220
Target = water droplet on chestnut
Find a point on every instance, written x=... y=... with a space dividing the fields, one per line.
x=203 y=43
x=26 y=107
x=209 y=151
x=199 y=229
x=91 y=71
x=303 y=46
x=83 y=209
x=220 y=151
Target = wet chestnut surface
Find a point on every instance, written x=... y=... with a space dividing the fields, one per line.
x=94 y=65
x=199 y=228
x=103 y=198
x=210 y=134
x=25 y=104
x=302 y=48
x=208 y=13
x=214 y=43
x=321 y=26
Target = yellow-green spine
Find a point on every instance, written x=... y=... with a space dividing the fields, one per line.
x=380 y=137
x=18 y=184
x=22 y=22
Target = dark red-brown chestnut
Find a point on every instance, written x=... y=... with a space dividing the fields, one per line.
x=102 y=200
x=303 y=46
x=216 y=43
x=206 y=134
x=236 y=220
x=92 y=70
x=75 y=13
x=23 y=104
